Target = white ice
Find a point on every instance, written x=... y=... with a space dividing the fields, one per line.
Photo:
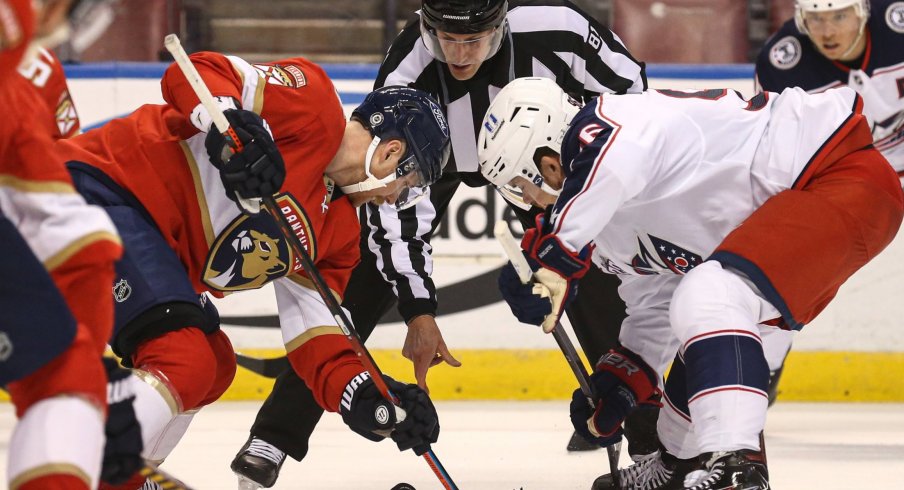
x=521 y=445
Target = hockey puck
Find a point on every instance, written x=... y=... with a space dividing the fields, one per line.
x=403 y=486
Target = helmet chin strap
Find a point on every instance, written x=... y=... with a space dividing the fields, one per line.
x=371 y=182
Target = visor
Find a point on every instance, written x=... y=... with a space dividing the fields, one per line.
x=526 y=193
x=468 y=52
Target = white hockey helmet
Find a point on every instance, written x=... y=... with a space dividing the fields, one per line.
x=801 y=7
x=528 y=114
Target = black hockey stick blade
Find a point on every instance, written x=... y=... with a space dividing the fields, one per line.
x=268 y=368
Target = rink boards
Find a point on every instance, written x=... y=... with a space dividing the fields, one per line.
x=853 y=352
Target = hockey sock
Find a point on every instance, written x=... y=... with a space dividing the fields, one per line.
x=58 y=441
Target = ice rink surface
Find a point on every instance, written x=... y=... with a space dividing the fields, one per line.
x=521 y=445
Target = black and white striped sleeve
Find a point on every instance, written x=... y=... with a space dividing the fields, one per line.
x=560 y=33
x=400 y=242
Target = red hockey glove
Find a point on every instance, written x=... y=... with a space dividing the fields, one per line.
x=560 y=269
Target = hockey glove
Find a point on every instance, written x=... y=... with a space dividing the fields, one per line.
x=122 y=451
x=620 y=382
x=256 y=171
x=370 y=415
x=559 y=268
x=530 y=303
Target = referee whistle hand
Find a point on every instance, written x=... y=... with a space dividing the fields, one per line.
x=425 y=347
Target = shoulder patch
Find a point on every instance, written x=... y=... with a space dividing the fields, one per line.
x=786 y=53
x=287 y=76
x=894 y=17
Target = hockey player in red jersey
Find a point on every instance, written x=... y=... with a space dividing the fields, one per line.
x=682 y=195
x=57 y=268
x=162 y=176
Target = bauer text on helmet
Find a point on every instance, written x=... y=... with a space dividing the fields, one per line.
x=525 y=122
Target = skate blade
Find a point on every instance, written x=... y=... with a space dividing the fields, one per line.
x=246 y=484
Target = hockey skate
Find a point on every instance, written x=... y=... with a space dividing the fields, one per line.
x=735 y=470
x=257 y=464
x=656 y=471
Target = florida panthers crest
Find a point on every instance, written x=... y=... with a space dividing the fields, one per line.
x=251 y=251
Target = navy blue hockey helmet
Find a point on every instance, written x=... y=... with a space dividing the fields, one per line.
x=412 y=115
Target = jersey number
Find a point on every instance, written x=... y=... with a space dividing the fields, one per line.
x=755 y=103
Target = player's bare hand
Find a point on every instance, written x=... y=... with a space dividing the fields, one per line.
x=425 y=347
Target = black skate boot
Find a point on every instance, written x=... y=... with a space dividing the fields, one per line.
x=656 y=471
x=257 y=464
x=734 y=470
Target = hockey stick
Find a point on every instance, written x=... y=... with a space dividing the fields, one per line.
x=522 y=268
x=268 y=368
x=219 y=120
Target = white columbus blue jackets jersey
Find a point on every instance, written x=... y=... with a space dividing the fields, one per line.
x=789 y=59
x=657 y=180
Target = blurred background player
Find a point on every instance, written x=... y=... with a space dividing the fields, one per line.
x=461 y=52
x=688 y=219
x=57 y=266
x=857 y=43
x=832 y=43
x=161 y=175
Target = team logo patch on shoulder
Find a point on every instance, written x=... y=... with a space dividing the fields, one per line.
x=785 y=54
x=66 y=117
x=252 y=251
x=287 y=76
x=894 y=17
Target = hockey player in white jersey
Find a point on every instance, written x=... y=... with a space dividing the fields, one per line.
x=683 y=195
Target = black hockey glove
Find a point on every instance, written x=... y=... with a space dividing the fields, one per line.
x=256 y=171
x=620 y=382
x=367 y=413
x=122 y=451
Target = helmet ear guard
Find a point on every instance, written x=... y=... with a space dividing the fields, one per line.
x=528 y=117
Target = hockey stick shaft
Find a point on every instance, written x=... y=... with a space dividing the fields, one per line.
x=522 y=268
x=307 y=263
x=174 y=46
x=347 y=328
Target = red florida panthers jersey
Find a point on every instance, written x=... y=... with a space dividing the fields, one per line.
x=159 y=156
